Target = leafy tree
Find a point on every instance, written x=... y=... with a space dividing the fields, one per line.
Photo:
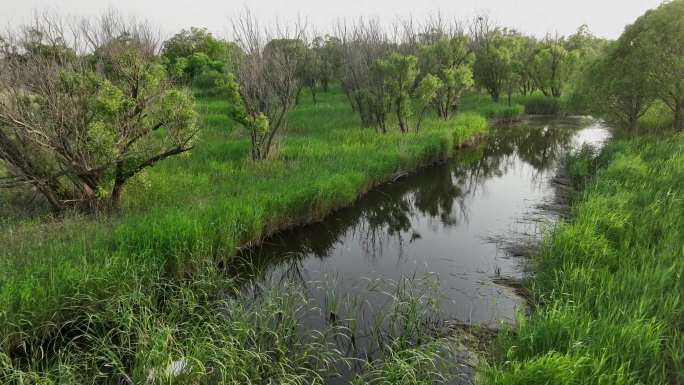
x=493 y=62
x=376 y=99
x=523 y=63
x=312 y=70
x=616 y=84
x=424 y=96
x=191 y=54
x=76 y=128
x=659 y=35
x=450 y=60
x=329 y=52
x=361 y=46
x=553 y=65
x=585 y=43
x=400 y=72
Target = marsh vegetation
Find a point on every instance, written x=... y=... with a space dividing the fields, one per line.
x=285 y=206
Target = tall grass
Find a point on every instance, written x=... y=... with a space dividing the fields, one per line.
x=608 y=285
x=209 y=330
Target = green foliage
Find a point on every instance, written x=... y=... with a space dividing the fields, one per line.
x=209 y=329
x=450 y=60
x=256 y=122
x=195 y=56
x=424 y=95
x=406 y=366
x=608 y=287
x=615 y=84
x=657 y=118
x=398 y=73
x=80 y=130
x=328 y=51
x=659 y=36
x=643 y=65
x=493 y=65
x=553 y=67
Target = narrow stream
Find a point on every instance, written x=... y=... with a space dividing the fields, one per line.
x=439 y=222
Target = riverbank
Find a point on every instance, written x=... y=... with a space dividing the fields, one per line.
x=607 y=287
x=191 y=210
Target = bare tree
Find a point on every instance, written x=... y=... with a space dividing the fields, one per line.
x=362 y=44
x=267 y=79
x=83 y=109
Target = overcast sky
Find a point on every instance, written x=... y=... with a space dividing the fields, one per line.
x=605 y=18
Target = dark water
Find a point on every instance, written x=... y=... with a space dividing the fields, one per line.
x=436 y=222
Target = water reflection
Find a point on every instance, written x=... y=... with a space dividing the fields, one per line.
x=430 y=222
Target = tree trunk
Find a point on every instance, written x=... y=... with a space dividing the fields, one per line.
x=419 y=121
x=52 y=198
x=115 y=200
x=299 y=92
x=442 y=110
x=402 y=121
x=495 y=96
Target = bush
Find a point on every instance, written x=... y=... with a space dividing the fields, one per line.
x=541 y=105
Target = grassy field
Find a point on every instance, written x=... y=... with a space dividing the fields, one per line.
x=188 y=212
x=608 y=286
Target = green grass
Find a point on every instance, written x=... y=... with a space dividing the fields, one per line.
x=194 y=209
x=221 y=334
x=608 y=285
x=657 y=118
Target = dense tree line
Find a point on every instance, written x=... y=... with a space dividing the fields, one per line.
x=85 y=107
x=395 y=75
x=644 y=66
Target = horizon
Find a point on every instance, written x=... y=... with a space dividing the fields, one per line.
x=532 y=17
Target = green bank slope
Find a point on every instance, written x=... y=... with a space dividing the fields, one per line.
x=609 y=285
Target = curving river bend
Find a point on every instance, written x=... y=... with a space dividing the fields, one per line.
x=439 y=222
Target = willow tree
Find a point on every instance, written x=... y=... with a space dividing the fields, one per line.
x=86 y=108
x=493 y=64
x=616 y=84
x=553 y=65
x=659 y=35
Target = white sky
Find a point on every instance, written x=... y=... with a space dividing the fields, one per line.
x=606 y=18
